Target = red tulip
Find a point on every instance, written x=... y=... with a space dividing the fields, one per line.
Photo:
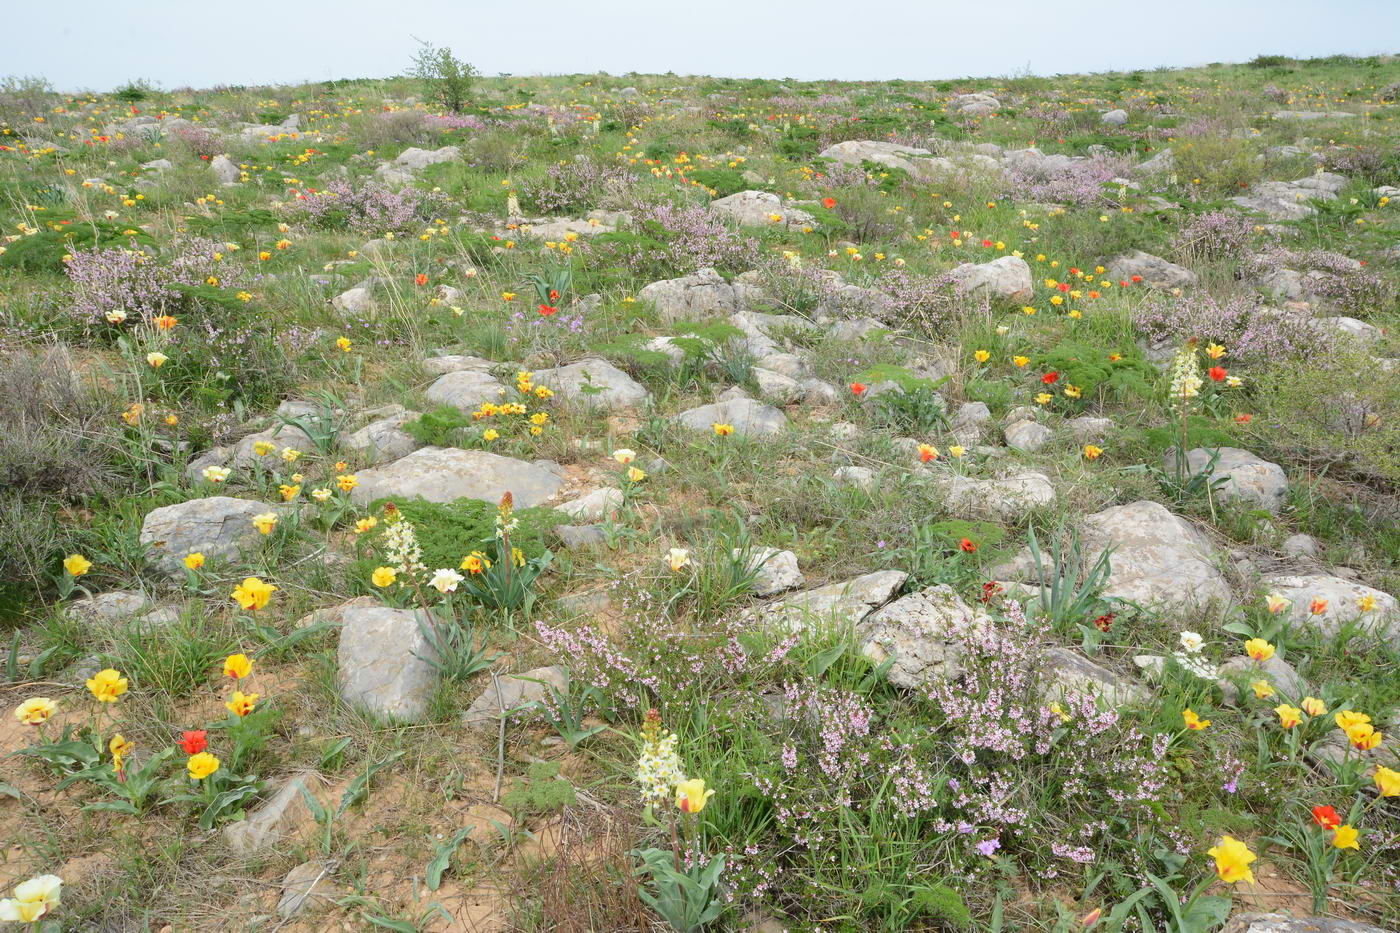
x=828 y=203
x=193 y=742
x=1218 y=373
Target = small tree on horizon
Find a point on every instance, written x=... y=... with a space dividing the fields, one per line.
x=445 y=77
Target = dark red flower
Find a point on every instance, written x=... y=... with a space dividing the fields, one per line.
x=193 y=742
x=1137 y=278
x=990 y=590
x=1104 y=622
x=1050 y=378
x=966 y=546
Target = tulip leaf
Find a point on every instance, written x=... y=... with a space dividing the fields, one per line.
x=360 y=786
x=442 y=859
x=9 y=790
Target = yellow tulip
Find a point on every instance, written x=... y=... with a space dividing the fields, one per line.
x=691 y=795
x=202 y=765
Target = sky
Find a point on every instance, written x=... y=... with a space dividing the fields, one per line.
x=90 y=45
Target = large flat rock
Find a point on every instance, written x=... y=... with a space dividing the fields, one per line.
x=442 y=474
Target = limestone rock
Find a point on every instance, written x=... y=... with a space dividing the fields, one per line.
x=1006 y=500
x=920 y=163
x=413 y=158
x=1154 y=271
x=281 y=816
x=218 y=527
x=974 y=104
x=593 y=506
x=775 y=571
x=441 y=365
x=354 y=301
x=858 y=476
x=849 y=601
x=442 y=474
x=593 y=382
x=700 y=295
x=383 y=440
x=1247 y=477
x=1114 y=117
x=748 y=417
x=464 y=389
x=309 y=885
x=1064 y=672
x=383 y=664
x=1008 y=277
x=758 y=208
x=226 y=172
x=1281 y=923
x=516 y=692
x=579 y=536
x=924 y=632
x=1344 y=603
x=1276 y=671
x=1027 y=436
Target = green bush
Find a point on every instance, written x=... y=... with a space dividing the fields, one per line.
x=44 y=251
x=1089 y=368
x=449 y=531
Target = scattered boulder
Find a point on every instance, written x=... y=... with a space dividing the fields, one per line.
x=593 y=506
x=701 y=294
x=775 y=571
x=1340 y=601
x=920 y=163
x=1157 y=557
x=219 y=527
x=758 y=208
x=281 y=816
x=1154 y=271
x=975 y=105
x=1247 y=478
x=746 y=416
x=1276 y=671
x=1006 y=500
x=442 y=474
x=309 y=885
x=579 y=536
x=1067 y=673
x=1311 y=115
x=464 y=389
x=924 y=632
x=354 y=301
x=383 y=440
x=1027 y=436
x=441 y=365
x=511 y=693
x=858 y=476
x=383 y=665
x=1287 y=200
x=225 y=171
x=593 y=382
x=414 y=158
x=1114 y=117
x=849 y=601
x=1008 y=277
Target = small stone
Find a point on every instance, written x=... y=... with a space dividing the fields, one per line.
x=282 y=815
x=575 y=537
x=515 y=693
x=858 y=476
x=775 y=571
x=1027 y=436
x=219 y=527
x=383 y=664
x=593 y=506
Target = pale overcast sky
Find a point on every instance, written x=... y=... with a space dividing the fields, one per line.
x=84 y=44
